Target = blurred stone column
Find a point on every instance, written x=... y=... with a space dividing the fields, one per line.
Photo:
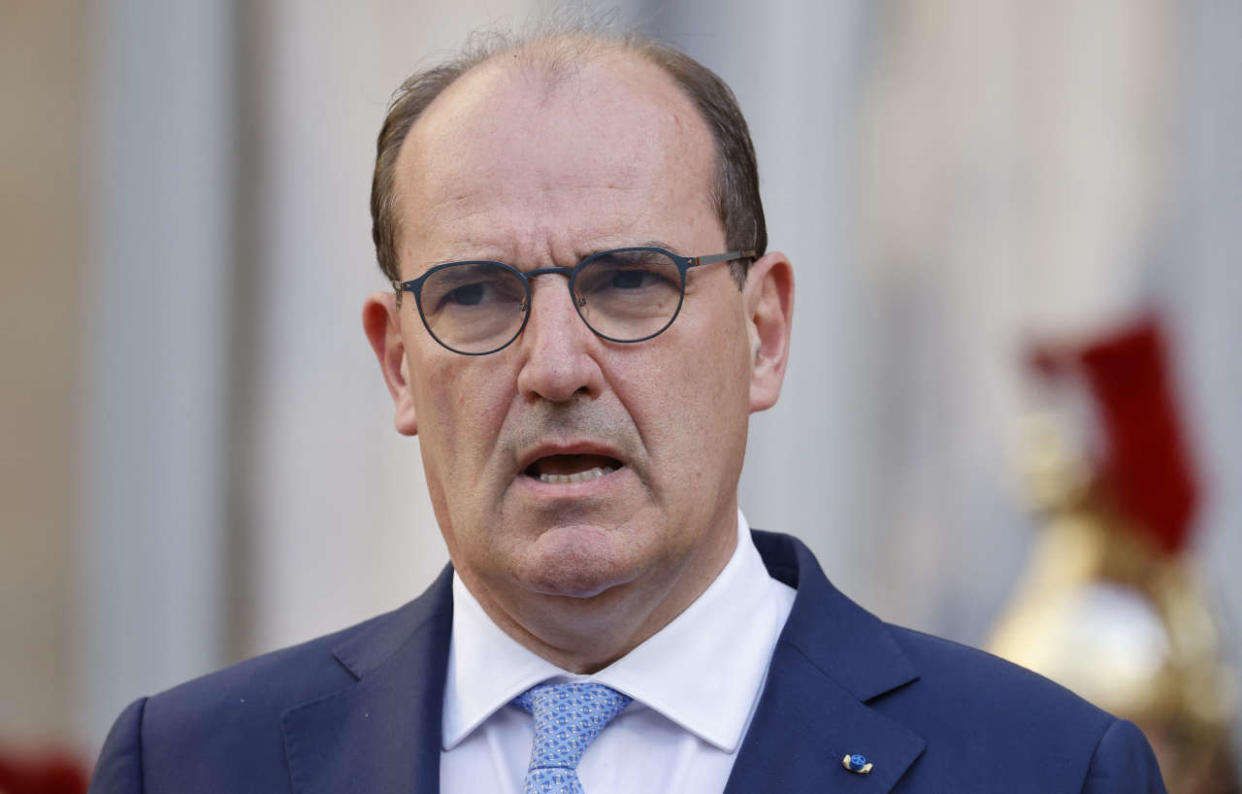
x=1015 y=182
x=1205 y=281
x=42 y=72
x=152 y=523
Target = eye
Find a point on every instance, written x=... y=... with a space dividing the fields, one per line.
x=634 y=278
x=466 y=295
x=639 y=273
x=473 y=287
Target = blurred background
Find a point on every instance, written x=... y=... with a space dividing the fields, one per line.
x=199 y=458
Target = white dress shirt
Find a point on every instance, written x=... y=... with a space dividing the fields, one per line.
x=695 y=684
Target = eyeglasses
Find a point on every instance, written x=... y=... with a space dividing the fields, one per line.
x=623 y=295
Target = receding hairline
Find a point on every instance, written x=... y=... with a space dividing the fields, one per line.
x=555 y=63
x=552 y=55
x=552 y=66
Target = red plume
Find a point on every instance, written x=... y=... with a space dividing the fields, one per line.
x=1146 y=463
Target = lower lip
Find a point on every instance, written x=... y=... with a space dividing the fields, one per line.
x=597 y=486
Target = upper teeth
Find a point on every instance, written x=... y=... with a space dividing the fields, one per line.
x=578 y=476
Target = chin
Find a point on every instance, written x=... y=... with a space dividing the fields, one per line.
x=577 y=562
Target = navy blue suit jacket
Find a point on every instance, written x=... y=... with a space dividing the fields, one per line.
x=359 y=711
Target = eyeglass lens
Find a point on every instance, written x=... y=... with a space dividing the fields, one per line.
x=478 y=307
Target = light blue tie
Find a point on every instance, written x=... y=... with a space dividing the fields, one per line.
x=568 y=717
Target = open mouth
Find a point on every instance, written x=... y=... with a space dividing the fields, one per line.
x=565 y=469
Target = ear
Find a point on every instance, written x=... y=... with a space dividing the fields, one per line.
x=381 y=319
x=768 y=298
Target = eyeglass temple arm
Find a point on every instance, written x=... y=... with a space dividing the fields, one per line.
x=725 y=257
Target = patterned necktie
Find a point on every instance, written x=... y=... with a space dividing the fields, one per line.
x=568 y=717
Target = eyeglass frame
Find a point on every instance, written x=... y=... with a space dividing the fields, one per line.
x=684 y=263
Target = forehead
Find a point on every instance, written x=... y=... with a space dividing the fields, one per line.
x=513 y=157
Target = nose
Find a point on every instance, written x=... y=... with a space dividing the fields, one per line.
x=558 y=350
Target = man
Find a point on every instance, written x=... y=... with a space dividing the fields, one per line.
x=584 y=315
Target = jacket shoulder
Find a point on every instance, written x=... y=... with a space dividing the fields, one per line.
x=275 y=680
x=223 y=731
x=980 y=723
x=960 y=673
x=985 y=718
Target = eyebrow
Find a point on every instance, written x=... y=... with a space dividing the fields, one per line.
x=589 y=252
x=643 y=244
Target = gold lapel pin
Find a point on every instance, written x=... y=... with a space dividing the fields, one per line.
x=856 y=763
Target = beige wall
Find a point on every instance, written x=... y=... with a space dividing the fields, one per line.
x=41 y=75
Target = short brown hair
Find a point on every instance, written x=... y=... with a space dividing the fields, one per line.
x=735 y=188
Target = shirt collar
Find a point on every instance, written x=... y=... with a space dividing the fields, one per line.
x=703 y=671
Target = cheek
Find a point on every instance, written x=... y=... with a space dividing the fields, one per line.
x=694 y=405
x=460 y=409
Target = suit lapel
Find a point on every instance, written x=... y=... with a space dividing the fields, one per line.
x=380 y=735
x=832 y=658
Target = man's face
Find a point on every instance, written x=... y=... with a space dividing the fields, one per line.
x=507 y=166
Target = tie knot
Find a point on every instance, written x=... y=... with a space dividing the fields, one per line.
x=568 y=717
